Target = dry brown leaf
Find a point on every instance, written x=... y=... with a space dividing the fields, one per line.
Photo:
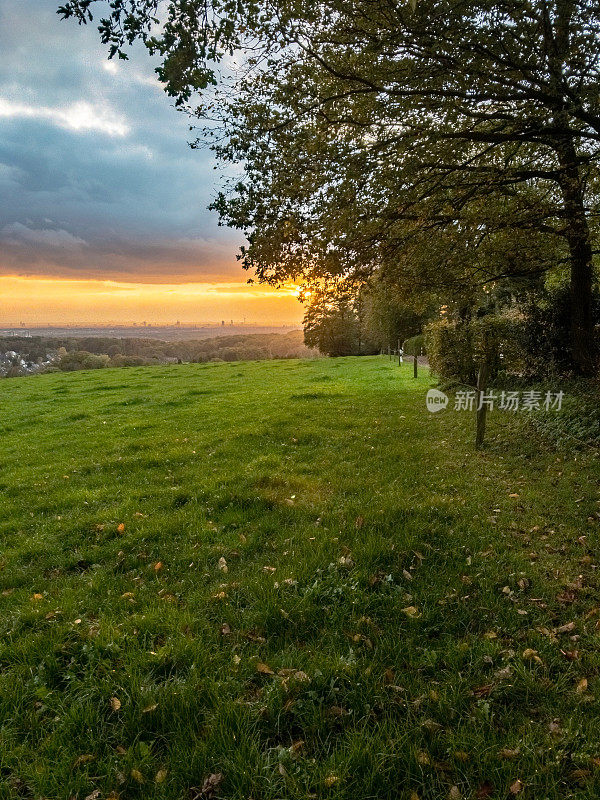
x=529 y=654
x=225 y=630
x=137 y=776
x=264 y=669
x=158 y=566
x=121 y=527
x=411 y=611
x=83 y=760
x=582 y=686
x=516 y=786
x=36 y=597
x=569 y=626
x=454 y=793
x=210 y=785
x=222 y=564
x=150 y=709
x=509 y=753
x=161 y=776
x=115 y=703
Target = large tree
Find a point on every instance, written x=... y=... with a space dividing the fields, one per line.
x=365 y=126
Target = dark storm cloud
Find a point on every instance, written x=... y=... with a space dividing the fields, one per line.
x=96 y=178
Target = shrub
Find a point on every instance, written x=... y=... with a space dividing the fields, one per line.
x=450 y=351
x=415 y=346
x=456 y=349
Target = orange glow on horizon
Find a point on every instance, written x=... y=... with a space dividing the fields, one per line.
x=58 y=301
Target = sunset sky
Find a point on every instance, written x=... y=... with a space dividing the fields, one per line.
x=103 y=212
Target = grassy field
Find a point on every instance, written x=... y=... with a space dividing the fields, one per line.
x=288 y=580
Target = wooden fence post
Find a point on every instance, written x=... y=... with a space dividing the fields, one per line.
x=482 y=382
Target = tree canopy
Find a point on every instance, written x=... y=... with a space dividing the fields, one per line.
x=443 y=146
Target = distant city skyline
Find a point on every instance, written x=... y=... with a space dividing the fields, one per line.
x=103 y=211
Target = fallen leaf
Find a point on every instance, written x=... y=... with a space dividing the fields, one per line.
x=570 y=655
x=150 y=709
x=225 y=630
x=582 y=686
x=94 y=795
x=509 y=753
x=505 y=672
x=566 y=628
x=137 y=776
x=222 y=565
x=115 y=703
x=580 y=775
x=83 y=760
x=160 y=776
x=158 y=566
x=295 y=747
x=121 y=527
x=529 y=654
x=454 y=793
x=264 y=669
x=483 y=691
x=210 y=785
x=411 y=611
x=36 y=597
x=516 y=786
x=485 y=790
x=330 y=780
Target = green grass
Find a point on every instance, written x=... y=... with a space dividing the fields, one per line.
x=389 y=577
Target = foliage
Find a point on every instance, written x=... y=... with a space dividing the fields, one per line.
x=331 y=321
x=450 y=351
x=386 y=317
x=546 y=331
x=371 y=133
x=81 y=359
x=415 y=346
x=457 y=348
x=376 y=565
x=577 y=424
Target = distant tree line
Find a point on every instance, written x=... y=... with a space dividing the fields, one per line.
x=70 y=353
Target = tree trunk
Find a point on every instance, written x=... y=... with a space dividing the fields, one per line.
x=583 y=349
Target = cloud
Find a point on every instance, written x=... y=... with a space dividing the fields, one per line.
x=101 y=151
x=18 y=234
x=81 y=117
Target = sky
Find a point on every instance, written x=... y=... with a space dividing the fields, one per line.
x=103 y=205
